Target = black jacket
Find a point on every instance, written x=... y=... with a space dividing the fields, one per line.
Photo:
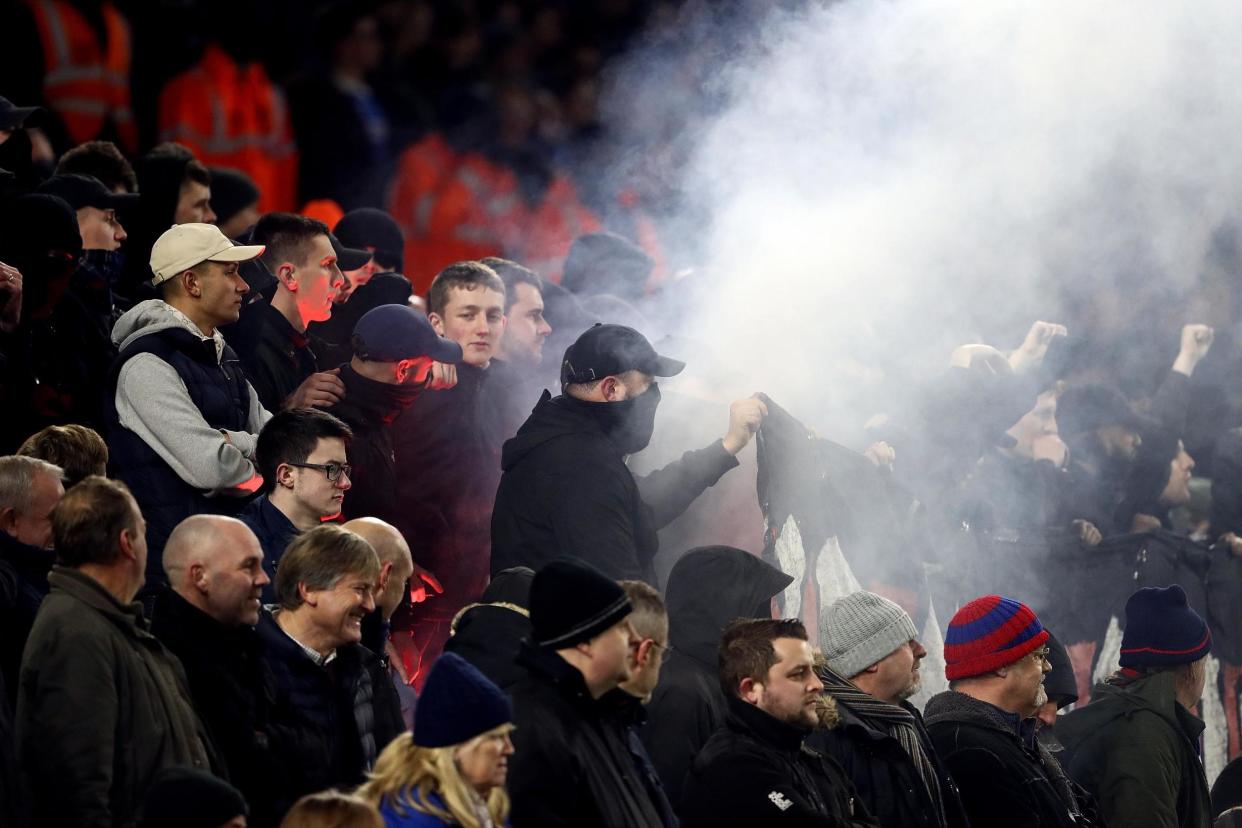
x=756 y=770
x=571 y=765
x=369 y=409
x=1005 y=777
x=275 y=532
x=631 y=716
x=566 y=492
x=447 y=448
x=350 y=704
x=280 y=360
x=885 y=776
x=490 y=637
x=23 y=585
x=708 y=588
x=264 y=748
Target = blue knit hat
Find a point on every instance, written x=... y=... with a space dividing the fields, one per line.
x=457 y=704
x=1162 y=630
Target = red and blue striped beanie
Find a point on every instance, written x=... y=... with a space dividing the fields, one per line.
x=989 y=633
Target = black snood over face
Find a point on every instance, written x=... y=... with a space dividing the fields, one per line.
x=628 y=423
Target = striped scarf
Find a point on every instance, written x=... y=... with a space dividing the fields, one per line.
x=897 y=722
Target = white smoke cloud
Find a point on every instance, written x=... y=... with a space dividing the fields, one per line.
x=888 y=179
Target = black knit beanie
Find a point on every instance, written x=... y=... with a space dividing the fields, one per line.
x=572 y=602
x=190 y=798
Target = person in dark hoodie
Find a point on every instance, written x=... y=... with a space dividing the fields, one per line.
x=176 y=189
x=43 y=366
x=708 y=587
x=872 y=654
x=566 y=491
x=1136 y=745
x=606 y=263
x=489 y=634
x=394 y=351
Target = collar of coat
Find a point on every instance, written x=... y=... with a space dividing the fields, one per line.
x=86 y=589
x=765 y=727
x=550 y=667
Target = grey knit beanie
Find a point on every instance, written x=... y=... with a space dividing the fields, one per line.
x=861 y=629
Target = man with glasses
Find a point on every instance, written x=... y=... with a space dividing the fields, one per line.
x=983 y=727
x=649 y=649
x=301 y=455
x=873 y=656
x=334 y=686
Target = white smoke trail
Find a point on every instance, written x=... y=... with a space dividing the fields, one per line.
x=890 y=178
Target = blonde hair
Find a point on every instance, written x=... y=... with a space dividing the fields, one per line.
x=406 y=775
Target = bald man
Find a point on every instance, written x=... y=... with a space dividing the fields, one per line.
x=396 y=567
x=215 y=569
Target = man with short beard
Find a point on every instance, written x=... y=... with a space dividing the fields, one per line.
x=566 y=491
x=872 y=667
x=325 y=678
x=757 y=769
x=983 y=727
x=207 y=619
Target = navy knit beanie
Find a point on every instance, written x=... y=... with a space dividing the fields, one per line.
x=572 y=602
x=457 y=704
x=1162 y=630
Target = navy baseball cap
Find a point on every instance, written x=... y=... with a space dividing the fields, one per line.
x=609 y=350
x=86 y=191
x=391 y=333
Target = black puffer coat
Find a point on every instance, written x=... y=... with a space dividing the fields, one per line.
x=756 y=770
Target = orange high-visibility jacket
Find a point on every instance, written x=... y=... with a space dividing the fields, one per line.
x=234 y=116
x=476 y=213
x=84 y=82
x=551 y=227
x=422 y=170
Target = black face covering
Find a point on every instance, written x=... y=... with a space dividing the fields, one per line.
x=630 y=423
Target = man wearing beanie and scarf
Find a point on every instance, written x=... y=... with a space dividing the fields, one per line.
x=1136 y=746
x=983 y=728
x=572 y=765
x=566 y=491
x=873 y=655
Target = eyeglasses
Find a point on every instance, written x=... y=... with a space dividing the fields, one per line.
x=1040 y=656
x=333 y=470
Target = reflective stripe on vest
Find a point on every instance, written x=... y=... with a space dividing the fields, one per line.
x=90 y=87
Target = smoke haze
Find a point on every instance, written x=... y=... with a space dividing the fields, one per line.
x=880 y=181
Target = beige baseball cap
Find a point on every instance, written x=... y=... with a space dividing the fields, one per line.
x=183 y=246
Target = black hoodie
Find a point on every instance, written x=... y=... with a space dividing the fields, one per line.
x=709 y=587
x=566 y=492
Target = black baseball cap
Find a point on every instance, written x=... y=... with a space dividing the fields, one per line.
x=391 y=333
x=12 y=116
x=609 y=350
x=86 y=191
x=373 y=229
x=349 y=258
